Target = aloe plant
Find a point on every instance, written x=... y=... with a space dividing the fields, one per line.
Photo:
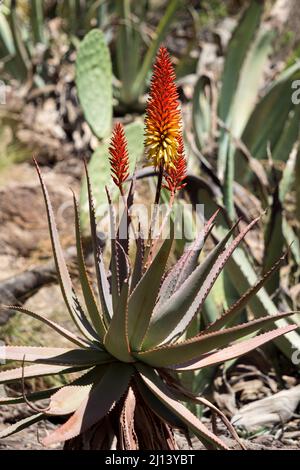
x=129 y=346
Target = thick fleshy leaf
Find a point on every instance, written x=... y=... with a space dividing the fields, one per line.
x=164 y=413
x=54 y=356
x=172 y=318
x=161 y=391
x=193 y=348
x=139 y=260
x=118 y=256
x=185 y=265
x=68 y=399
x=99 y=402
x=67 y=289
x=238 y=49
x=89 y=298
x=231 y=313
x=22 y=424
x=37 y=370
x=35 y=396
x=142 y=300
x=116 y=339
x=103 y=284
x=55 y=326
x=235 y=350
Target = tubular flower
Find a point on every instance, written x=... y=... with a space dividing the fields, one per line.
x=163 y=117
x=176 y=174
x=119 y=159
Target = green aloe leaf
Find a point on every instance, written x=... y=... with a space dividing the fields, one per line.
x=236 y=350
x=90 y=302
x=142 y=299
x=100 y=401
x=103 y=285
x=243 y=275
x=160 y=390
x=94 y=82
x=116 y=340
x=176 y=314
x=203 y=343
x=55 y=326
x=229 y=316
x=37 y=370
x=71 y=300
x=54 y=356
x=22 y=424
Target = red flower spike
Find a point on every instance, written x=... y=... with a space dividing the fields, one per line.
x=175 y=175
x=119 y=158
x=163 y=117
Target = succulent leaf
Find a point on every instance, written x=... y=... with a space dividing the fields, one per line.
x=160 y=390
x=87 y=290
x=170 y=355
x=67 y=289
x=236 y=350
x=100 y=401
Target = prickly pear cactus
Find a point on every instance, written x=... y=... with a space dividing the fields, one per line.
x=94 y=82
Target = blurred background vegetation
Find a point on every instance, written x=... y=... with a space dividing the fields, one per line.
x=71 y=67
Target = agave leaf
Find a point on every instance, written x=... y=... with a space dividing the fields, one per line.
x=202 y=111
x=143 y=298
x=100 y=401
x=37 y=370
x=235 y=350
x=87 y=290
x=250 y=80
x=238 y=48
x=22 y=424
x=175 y=316
x=103 y=284
x=67 y=289
x=185 y=265
x=231 y=313
x=116 y=339
x=54 y=356
x=161 y=391
x=193 y=348
x=59 y=329
x=270 y=115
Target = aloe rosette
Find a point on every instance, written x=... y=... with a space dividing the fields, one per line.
x=130 y=343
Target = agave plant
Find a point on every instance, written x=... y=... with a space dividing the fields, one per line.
x=130 y=344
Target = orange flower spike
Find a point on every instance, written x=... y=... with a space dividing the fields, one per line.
x=163 y=117
x=175 y=176
x=119 y=158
